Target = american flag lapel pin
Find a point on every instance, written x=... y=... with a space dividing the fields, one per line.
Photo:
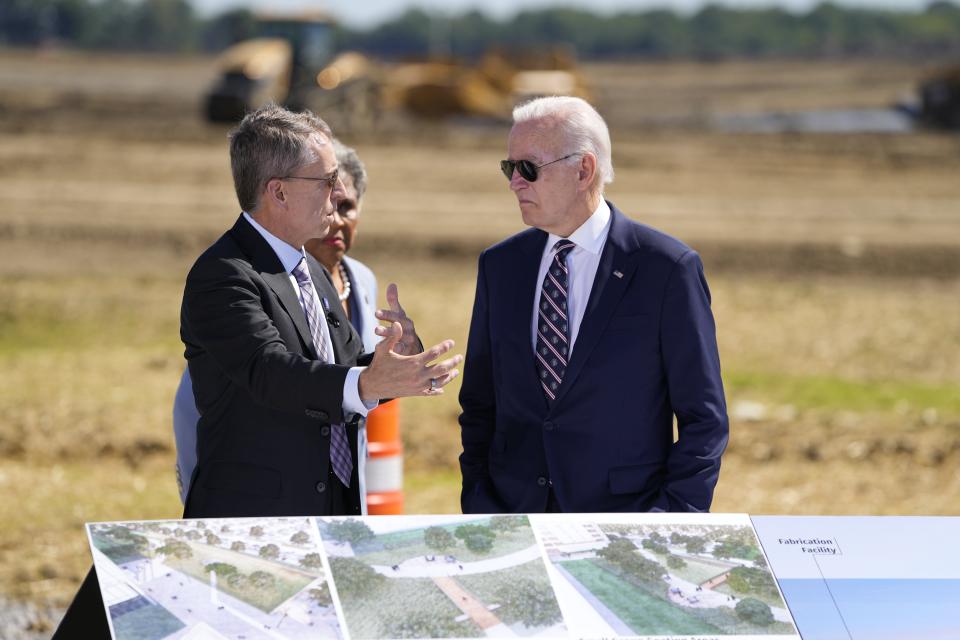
x=619 y=274
x=326 y=304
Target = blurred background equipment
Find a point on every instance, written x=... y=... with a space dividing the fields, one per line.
x=940 y=98
x=291 y=62
x=280 y=65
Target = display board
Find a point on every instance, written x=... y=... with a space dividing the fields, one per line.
x=867 y=578
x=545 y=575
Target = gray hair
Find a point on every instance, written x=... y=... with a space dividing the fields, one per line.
x=270 y=143
x=350 y=163
x=581 y=127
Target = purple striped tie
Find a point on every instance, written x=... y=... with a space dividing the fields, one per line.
x=339 y=445
x=553 y=326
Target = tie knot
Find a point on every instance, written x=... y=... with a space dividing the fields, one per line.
x=301 y=272
x=563 y=247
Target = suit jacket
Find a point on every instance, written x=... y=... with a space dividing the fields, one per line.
x=646 y=352
x=186 y=417
x=266 y=403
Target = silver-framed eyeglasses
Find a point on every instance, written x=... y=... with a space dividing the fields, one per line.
x=330 y=180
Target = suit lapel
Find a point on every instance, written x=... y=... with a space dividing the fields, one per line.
x=518 y=284
x=614 y=273
x=265 y=261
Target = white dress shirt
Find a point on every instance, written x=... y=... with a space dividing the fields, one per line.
x=290 y=257
x=582 y=263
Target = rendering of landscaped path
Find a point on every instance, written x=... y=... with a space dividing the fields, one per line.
x=420 y=567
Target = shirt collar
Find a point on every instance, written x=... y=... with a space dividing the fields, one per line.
x=592 y=234
x=288 y=255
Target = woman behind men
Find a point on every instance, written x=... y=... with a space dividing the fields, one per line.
x=358 y=295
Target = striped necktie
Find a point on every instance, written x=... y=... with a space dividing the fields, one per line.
x=553 y=325
x=340 y=455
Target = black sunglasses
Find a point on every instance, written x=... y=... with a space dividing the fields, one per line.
x=526 y=169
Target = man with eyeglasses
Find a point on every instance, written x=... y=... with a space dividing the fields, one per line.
x=357 y=293
x=590 y=334
x=279 y=374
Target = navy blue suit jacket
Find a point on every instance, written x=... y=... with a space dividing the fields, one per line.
x=646 y=352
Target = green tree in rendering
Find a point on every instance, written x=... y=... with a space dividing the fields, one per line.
x=478 y=543
x=222 y=569
x=311 y=561
x=237 y=545
x=256 y=531
x=354 y=577
x=464 y=531
x=624 y=554
x=262 y=580
x=176 y=549
x=349 y=530
x=676 y=562
x=270 y=551
x=696 y=544
x=300 y=537
x=752 y=581
x=754 y=611
x=321 y=595
x=438 y=539
x=656 y=547
x=503 y=524
x=531 y=602
x=658 y=538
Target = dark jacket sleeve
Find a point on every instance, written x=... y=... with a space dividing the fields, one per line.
x=692 y=362
x=478 y=404
x=223 y=314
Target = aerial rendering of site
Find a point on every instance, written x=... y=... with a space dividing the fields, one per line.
x=662 y=575
x=441 y=577
x=247 y=578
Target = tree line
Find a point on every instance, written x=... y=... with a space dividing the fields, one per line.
x=714 y=32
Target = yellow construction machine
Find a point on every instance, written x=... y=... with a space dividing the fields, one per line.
x=292 y=63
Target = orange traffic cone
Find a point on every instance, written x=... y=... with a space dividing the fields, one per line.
x=385 y=466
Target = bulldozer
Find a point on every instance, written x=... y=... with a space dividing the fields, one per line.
x=280 y=65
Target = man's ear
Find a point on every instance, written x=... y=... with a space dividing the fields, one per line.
x=588 y=171
x=274 y=191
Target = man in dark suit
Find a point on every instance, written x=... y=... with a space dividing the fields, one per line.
x=273 y=358
x=590 y=333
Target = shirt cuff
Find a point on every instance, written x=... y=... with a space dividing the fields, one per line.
x=351 y=394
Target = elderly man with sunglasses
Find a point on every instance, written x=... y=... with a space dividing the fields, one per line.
x=590 y=334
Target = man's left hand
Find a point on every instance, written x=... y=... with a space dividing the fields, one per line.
x=410 y=343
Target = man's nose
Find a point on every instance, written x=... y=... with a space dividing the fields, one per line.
x=516 y=180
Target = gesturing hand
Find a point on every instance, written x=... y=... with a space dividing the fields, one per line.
x=392 y=375
x=409 y=343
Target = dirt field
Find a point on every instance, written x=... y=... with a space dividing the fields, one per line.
x=834 y=263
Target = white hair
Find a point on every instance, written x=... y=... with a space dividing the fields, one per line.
x=582 y=128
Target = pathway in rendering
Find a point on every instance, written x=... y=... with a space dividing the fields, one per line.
x=420 y=567
x=473 y=608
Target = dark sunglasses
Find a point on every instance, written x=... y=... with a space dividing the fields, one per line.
x=526 y=169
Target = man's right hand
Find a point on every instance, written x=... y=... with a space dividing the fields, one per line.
x=391 y=375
